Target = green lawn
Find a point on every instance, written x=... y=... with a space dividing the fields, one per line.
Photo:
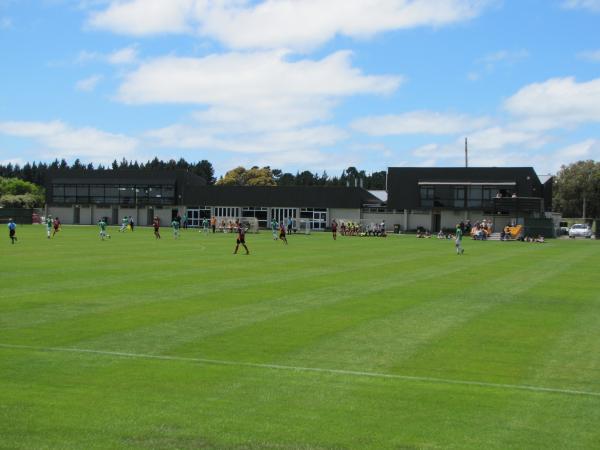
x=416 y=347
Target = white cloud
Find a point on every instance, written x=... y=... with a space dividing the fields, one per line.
x=127 y=55
x=418 y=122
x=268 y=24
x=490 y=62
x=63 y=141
x=253 y=91
x=556 y=103
x=285 y=141
x=590 y=55
x=591 y=5
x=88 y=84
x=142 y=17
x=588 y=149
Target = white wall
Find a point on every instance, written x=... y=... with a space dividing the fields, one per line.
x=343 y=215
x=64 y=213
x=85 y=215
x=419 y=220
x=451 y=218
x=101 y=212
x=391 y=219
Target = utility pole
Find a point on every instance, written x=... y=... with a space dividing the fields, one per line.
x=466 y=154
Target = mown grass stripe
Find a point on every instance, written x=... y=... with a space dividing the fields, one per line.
x=308 y=369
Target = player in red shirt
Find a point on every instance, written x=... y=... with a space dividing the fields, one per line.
x=334 y=229
x=156 y=225
x=282 y=233
x=241 y=238
x=56 y=225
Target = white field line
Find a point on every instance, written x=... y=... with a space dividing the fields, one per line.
x=356 y=373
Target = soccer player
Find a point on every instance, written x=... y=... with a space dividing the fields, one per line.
x=213 y=223
x=48 y=225
x=56 y=226
x=124 y=224
x=131 y=223
x=274 y=227
x=12 y=230
x=103 y=233
x=205 y=225
x=241 y=238
x=282 y=233
x=334 y=229
x=458 y=240
x=156 y=225
x=175 y=224
x=290 y=225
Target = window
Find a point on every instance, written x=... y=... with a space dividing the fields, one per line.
x=70 y=194
x=427 y=195
x=459 y=197
x=316 y=216
x=259 y=213
x=229 y=212
x=474 y=197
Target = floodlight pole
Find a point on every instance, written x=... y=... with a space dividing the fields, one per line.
x=466 y=154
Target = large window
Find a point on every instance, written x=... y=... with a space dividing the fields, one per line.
x=427 y=195
x=474 y=199
x=195 y=216
x=258 y=212
x=316 y=216
x=227 y=211
x=114 y=194
x=459 y=197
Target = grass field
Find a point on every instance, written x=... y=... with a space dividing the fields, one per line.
x=360 y=343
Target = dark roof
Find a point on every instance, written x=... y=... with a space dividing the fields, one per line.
x=280 y=196
x=403 y=182
x=126 y=176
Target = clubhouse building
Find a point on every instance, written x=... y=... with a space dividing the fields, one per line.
x=430 y=198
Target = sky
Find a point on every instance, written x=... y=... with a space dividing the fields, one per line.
x=315 y=85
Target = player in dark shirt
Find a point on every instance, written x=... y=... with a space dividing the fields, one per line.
x=334 y=229
x=56 y=226
x=241 y=238
x=156 y=225
x=282 y=233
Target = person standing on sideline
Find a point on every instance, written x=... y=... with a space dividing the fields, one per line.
x=334 y=229
x=213 y=224
x=458 y=240
x=49 y=224
x=175 y=224
x=131 y=223
x=290 y=225
x=241 y=238
x=156 y=225
x=12 y=230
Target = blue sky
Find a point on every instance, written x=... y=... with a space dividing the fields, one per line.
x=301 y=84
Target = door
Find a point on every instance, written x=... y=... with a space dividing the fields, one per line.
x=436 y=224
x=76 y=215
x=150 y=215
x=115 y=215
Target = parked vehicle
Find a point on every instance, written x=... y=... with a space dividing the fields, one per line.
x=563 y=228
x=580 y=230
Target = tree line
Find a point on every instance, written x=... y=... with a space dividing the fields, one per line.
x=37 y=173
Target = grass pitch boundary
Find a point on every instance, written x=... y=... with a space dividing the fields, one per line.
x=355 y=373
